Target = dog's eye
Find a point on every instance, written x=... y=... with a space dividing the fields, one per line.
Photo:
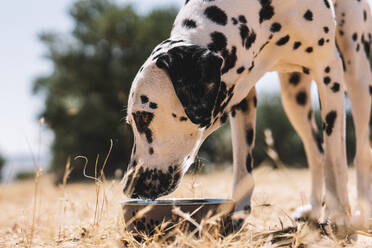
x=142 y=120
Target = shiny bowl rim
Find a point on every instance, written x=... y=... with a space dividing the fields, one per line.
x=178 y=202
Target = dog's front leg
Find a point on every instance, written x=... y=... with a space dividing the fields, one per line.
x=243 y=124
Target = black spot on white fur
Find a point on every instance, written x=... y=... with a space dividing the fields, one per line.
x=306 y=70
x=266 y=11
x=240 y=70
x=309 y=50
x=219 y=41
x=216 y=15
x=308 y=15
x=326 y=80
x=242 y=106
x=153 y=105
x=144 y=99
x=282 y=41
x=336 y=87
x=249 y=136
x=296 y=45
x=301 y=98
x=223 y=118
x=330 y=122
x=142 y=121
x=295 y=78
x=242 y=19
x=321 y=42
x=230 y=59
x=275 y=27
x=188 y=23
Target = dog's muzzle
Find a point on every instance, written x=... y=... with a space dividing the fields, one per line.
x=151 y=183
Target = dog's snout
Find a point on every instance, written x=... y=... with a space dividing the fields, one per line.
x=151 y=183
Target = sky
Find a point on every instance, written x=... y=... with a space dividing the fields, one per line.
x=22 y=60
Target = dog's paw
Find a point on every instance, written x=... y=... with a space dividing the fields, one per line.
x=234 y=226
x=303 y=213
x=237 y=221
x=237 y=224
x=339 y=232
x=306 y=213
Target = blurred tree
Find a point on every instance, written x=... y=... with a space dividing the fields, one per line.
x=94 y=66
x=2 y=163
x=270 y=115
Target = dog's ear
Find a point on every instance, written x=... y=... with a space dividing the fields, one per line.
x=196 y=76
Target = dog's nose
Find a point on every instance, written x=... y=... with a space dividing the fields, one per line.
x=151 y=183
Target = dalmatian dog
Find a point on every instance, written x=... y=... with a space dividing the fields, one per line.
x=206 y=72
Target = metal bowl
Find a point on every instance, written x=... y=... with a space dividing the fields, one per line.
x=148 y=216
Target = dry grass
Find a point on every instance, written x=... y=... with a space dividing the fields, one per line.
x=38 y=214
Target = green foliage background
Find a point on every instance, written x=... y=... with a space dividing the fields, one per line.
x=86 y=94
x=2 y=163
x=88 y=90
x=288 y=145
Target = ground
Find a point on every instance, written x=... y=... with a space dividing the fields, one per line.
x=73 y=216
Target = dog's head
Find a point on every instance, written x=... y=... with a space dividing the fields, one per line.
x=174 y=104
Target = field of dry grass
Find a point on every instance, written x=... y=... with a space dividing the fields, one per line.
x=73 y=216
